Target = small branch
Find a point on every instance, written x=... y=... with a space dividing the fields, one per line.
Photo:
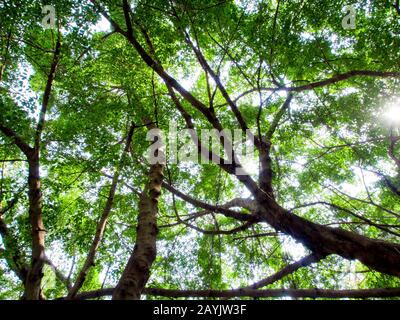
x=220 y=209
x=396 y=5
x=278 y=117
x=393 y=143
x=65 y=280
x=47 y=92
x=13 y=254
x=257 y=235
x=334 y=206
x=329 y=81
x=13 y=160
x=101 y=225
x=219 y=232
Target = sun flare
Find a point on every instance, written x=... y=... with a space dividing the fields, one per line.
x=392 y=112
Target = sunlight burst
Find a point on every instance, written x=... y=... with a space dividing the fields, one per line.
x=392 y=112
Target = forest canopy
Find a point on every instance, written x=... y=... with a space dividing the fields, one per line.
x=154 y=149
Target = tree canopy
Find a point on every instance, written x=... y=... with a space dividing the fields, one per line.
x=312 y=212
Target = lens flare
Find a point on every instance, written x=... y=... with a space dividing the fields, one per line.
x=391 y=114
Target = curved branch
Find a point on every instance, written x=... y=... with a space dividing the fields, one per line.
x=220 y=209
x=65 y=280
x=101 y=225
x=19 y=142
x=219 y=232
x=13 y=253
x=291 y=268
x=47 y=92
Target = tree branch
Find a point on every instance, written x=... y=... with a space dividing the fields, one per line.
x=220 y=209
x=335 y=79
x=65 y=280
x=101 y=225
x=270 y=293
x=19 y=142
x=392 y=146
x=291 y=268
x=47 y=92
x=335 y=206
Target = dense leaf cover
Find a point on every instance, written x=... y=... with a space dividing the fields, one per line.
x=77 y=102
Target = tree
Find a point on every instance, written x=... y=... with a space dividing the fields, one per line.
x=312 y=212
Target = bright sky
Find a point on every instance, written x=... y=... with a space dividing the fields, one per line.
x=102 y=26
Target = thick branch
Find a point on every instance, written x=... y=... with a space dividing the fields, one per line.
x=378 y=255
x=270 y=293
x=33 y=283
x=366 y=220
x=137 y=270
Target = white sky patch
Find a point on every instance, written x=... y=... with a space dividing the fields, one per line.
x=348 y=91
x=103 y=25
x=22 y=93
x=362 y=177
x=295 y=249
x=255 y=99
x=341 y=44
x=248 y=6
x=188 y=82
x=307 y=36
x=57 y=256
x=338 y=43
x=296 y=106
x=225 y=72
x=250 y=165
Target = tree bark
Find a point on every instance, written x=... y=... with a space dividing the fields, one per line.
x=137 y=271
x=35 y=274
x=322 y=240
x=378 y=255
x=269 y=293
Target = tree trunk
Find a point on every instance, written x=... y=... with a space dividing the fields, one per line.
x=35 y=275
x=137 y=271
